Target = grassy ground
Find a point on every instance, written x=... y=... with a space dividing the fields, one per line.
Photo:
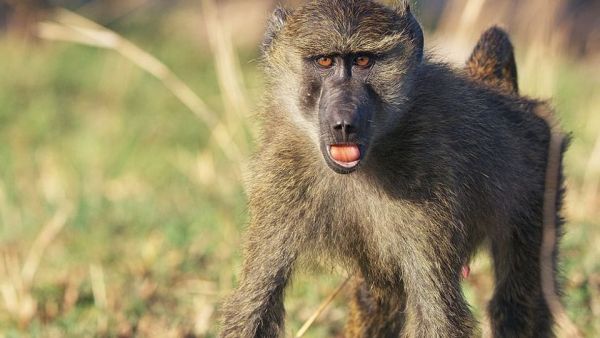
x=148 y=212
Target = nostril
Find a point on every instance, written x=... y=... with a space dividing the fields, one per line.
x=339 y=126
x=350 y=129
x=344 y=129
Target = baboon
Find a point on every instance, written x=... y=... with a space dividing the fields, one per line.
x=398 y=168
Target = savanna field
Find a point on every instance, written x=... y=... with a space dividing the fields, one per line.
x=122 y=205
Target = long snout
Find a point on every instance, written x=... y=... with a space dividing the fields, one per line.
x=344 y=115
x=344 y=112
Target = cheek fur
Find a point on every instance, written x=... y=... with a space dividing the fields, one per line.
x=309 y=94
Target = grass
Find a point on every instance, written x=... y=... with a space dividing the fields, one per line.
x=155 y=211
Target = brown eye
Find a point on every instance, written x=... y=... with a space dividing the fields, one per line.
x=325 y=61
x=362 y=61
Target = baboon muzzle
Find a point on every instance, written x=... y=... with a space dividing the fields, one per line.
x=344 y=116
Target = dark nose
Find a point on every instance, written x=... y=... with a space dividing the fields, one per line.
x=344 y=130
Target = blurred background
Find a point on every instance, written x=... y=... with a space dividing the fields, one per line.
x=123 y=143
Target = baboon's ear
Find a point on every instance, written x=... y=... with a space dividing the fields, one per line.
x=413 y=29
x=274 y=26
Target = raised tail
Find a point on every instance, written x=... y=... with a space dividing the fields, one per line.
x=493 y=62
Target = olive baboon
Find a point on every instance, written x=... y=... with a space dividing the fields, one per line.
x=398 y=168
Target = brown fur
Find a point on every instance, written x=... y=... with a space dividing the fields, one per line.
x=493 y=62
x=449 y=165
x=374 y=312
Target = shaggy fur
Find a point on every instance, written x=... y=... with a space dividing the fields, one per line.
x=452 y=164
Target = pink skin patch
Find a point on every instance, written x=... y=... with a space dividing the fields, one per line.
x=465 y=271
x=346 y=155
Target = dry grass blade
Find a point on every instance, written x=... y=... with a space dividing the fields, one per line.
x=99 y=291
x=18 y=301
x=16 y=282
x=549 y=233
x=75 y=28
x=321 y=308
x=230 y=77
x=98 y=285
x=469 y=15
x=45 y=237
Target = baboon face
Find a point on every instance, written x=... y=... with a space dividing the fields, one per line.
x=342 y=70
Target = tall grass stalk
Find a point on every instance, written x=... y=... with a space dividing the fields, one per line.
x=75 y=28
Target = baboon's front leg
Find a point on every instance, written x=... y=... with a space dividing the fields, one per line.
x=256 y=309
x=431 y=275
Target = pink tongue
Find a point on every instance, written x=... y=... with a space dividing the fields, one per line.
x=345 y=153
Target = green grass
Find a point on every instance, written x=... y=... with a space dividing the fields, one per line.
x=85 y=128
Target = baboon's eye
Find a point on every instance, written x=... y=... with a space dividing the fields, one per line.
x=362 y=61
x=325 y=61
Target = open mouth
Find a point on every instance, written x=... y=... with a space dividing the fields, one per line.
x=345 y=155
